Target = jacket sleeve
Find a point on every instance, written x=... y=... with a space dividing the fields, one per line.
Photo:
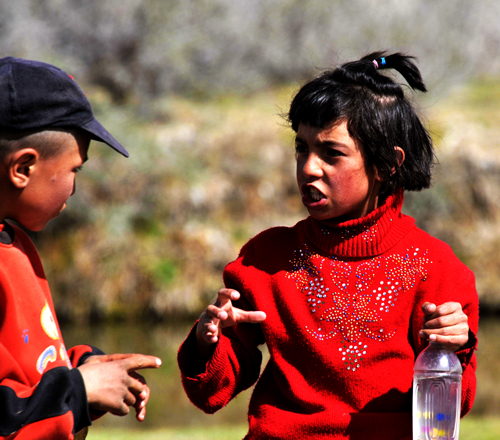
x=79 y=354
x=457 y=284
x=233 y=367
x=55 y=408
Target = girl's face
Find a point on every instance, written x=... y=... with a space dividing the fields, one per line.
x=335 y=183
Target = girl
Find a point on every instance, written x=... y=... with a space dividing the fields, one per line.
x=347 y=298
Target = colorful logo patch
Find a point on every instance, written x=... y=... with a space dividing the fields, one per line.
x=48 y=323
x=48 y=355
x=25 y=336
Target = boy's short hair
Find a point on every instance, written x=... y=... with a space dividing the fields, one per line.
x=377 y=113
x=46 y=142
x=36 y=97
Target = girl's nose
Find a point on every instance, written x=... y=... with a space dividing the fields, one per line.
x=312 y=166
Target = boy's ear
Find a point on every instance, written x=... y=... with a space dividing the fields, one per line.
x=21 y=166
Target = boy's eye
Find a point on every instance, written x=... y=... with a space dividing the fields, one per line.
x=77 y=169
x=300 y=148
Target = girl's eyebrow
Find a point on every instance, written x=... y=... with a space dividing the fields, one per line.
x=325 y=143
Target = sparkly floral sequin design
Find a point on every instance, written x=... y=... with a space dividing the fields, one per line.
x=355 y=313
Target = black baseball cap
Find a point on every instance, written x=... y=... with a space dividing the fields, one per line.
x=36 y=95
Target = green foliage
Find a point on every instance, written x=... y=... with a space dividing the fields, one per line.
x=166 y=271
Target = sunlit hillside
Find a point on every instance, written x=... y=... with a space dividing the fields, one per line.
x=150 y=235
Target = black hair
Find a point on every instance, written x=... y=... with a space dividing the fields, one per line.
x=46 y=142
x=378 y=115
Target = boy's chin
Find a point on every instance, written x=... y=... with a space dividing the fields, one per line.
x=35 y=226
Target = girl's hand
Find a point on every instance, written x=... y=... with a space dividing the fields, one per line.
x=446 y=324
x=222 y=314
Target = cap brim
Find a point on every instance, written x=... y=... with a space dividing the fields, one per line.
x=99 y=133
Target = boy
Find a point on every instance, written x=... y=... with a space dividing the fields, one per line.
x=46 y=124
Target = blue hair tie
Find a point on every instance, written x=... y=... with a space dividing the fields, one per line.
x=382 y=60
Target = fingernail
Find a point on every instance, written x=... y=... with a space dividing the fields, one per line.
x=432 y=337
x=158 y=361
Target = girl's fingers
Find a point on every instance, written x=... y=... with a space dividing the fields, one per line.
x=252 y=317
x=432 y=311
x=454 y=342
x=228 y=294
x=458 y=318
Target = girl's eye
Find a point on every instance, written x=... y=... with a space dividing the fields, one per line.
x=332 y=152
x=77 y=169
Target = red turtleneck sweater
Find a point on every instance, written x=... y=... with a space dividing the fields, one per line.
x=343 y=308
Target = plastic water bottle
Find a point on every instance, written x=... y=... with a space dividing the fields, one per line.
x=437 y=392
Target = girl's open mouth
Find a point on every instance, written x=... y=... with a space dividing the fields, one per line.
x=311 y=195
x=315 y=194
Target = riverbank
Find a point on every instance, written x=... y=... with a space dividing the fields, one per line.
x=471 y=428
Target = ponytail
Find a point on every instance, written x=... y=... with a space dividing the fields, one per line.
x=401 y=63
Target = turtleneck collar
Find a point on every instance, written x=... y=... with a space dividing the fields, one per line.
x=367 y=236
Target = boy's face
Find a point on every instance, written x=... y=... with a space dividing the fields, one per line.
x=332 y=175
x=52 y=182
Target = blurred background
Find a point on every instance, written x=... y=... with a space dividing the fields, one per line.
x=195 y=90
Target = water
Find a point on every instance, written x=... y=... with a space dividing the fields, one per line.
x=170 y=407
x=436 y=403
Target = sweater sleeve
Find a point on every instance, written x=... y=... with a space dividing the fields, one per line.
x=456 y=283
x=234 y=365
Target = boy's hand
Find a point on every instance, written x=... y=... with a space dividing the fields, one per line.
x=446 y=324
x=113 y=384
x=222 y=314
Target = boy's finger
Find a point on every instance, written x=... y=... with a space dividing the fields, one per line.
x=114 y=357
x=123 y=410
x=140 y=361
x=140 y=404
x=136 y=387
x=130 y=399
x=141 y=414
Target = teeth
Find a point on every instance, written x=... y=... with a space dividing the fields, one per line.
x=315 y=194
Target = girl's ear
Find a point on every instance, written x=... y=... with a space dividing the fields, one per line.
x=21 y=166
x=400 y=157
